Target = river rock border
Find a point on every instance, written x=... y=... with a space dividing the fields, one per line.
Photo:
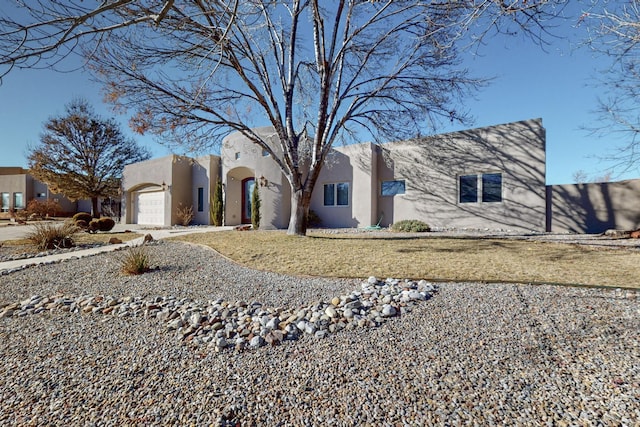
x=241 y=325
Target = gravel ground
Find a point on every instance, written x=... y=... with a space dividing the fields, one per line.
x=475 y=354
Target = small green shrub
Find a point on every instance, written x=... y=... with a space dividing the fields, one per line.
x=47 y=236
x=410 y=226
x=136 y=261
x=82 y=216
x=106 y=224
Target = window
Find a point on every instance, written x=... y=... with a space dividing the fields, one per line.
x=6 y=197
x=41 y=195
x=18 y=201
x=237 y=155
x=265 y=153
x=391 y=188
x=469 y=189
x=336 y=194
x=492 y=187
x=489 y=184
x=200 y=199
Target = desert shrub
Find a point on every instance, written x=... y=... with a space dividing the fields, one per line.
x=106 y=224
x=53 y=236
x=20 y=215
x=184 y=214
x=82 y=216
x=313 y=220
x=93 y=226
x=255 y=208
x=43 y=209
x=136 y=260
x=82 y=224
x=410 y=226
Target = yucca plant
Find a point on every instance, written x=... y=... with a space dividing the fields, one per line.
x=47 y=236
x=136 y=260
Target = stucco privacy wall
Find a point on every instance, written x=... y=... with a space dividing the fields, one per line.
x=431 y=168
x=241 y=160
x=593 y=208
x=205 y=173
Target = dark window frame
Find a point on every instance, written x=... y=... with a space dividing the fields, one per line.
x=478 y=188
x=336 y=194
x=393 y=187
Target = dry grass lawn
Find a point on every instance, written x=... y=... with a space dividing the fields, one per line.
x=435 y=258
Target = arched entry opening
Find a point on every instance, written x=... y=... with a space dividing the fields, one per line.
x=238 y=185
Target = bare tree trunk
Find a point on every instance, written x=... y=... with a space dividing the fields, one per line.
x=300 y=201
x=94 y=207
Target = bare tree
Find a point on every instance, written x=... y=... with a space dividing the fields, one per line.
x=613 y=30
x=319 y=73
x=82 y=155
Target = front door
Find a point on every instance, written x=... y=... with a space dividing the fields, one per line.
x=247 y=190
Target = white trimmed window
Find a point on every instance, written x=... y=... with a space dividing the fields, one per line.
x=6 y=202
x=336 y=194
x=18 y=201
x=480 y=188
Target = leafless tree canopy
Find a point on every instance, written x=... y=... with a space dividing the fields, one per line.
x=613 y=30
x=319 y=72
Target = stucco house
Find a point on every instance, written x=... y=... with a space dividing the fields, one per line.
x=18 y=188
x=488 y=178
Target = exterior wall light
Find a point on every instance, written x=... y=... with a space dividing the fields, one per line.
x=263 y=181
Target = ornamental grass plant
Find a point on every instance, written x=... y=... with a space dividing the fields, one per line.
x=47 y=235
x=136 y=260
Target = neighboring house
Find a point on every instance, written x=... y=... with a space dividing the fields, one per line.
x=18 y=188
x=487 y=178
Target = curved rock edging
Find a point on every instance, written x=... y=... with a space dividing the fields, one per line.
x=222 y=324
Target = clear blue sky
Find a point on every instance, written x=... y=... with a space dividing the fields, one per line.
x=529 y=83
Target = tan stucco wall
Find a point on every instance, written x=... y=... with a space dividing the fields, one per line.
x=15 y=184
x=431 y=167
x=23 y=182
x=172 y=171
x=356 y=165
x=275 y=196
x=595 y=207
x=204 y=174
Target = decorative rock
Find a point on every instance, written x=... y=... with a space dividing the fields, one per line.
x=114 y=241
x=335 y=301
x=331 y=312
x=256 y=342
x=388 y=310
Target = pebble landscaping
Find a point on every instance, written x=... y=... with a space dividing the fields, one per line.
x=200 y=340
x=221 y=324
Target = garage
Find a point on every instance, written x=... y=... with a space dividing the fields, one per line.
x=149 y=208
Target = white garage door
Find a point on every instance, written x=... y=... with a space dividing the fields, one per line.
x=149 y=208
